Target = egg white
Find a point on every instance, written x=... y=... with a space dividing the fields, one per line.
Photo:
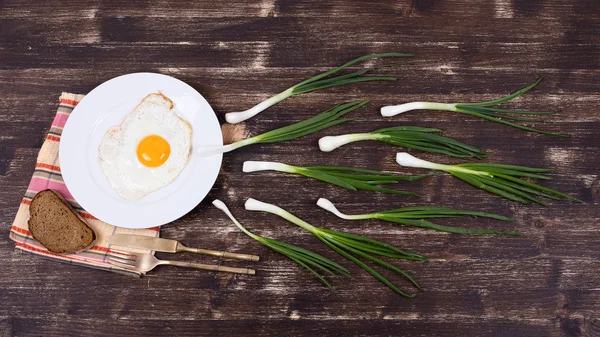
x=118 y=150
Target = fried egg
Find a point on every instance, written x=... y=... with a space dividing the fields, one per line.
x=148 y=150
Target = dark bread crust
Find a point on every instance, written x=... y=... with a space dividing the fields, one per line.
x=56 y=226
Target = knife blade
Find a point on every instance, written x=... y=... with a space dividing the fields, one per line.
x=170 y=246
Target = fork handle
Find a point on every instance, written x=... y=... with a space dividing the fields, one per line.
x=246 y=257
x=214 y=267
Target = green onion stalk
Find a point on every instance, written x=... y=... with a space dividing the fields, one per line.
x=314 y=124
x=350 y=246
x=410 y=137
x=350 y=178
x=485 y=110
x=312 y=262
x=417 y=215
x=316 y=83
x=503 y=180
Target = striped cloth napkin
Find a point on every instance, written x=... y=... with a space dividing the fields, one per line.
x=47 y=175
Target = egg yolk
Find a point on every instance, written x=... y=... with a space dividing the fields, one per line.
x=153 y=151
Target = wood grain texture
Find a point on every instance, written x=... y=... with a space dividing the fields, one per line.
x=237 y=53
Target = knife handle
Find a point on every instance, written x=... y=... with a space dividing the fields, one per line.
x=246 y=257
x=213 y=267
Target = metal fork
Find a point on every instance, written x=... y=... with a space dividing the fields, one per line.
x=146 y=262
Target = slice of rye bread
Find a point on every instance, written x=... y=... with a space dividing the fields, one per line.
x=56 y=226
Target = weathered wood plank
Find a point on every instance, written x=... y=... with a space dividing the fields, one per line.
x=265 y=327
x=305 y=8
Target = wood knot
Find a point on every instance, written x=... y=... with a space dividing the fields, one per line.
x=540 y=244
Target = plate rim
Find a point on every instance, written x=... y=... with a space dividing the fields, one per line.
x=170 y=215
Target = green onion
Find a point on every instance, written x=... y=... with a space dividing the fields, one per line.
x=319 y=122
x=502 y=180
x=485 y=110
x=301 y=256
x=349 y=245
x=415 y=216
x=350 y=178
x=316 y=83
x=411 y=137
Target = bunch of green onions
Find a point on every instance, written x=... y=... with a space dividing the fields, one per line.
x=314 y=124
x=509 y=181
x=350 y=246
x=410 y=137
x=350 y=178
x=307 y=259
x=315 y=83
x=503 y=180
x=485 y=110
x=417 y=215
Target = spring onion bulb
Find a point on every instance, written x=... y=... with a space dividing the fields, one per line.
x=485 y=110
x=319 y=122
x=411 y=137
x=301 y=256
x=415 y=216
x=502 y=180
x=349 y=245
x=316 y=83
x=350 y=178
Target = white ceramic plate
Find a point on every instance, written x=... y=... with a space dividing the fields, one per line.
x=106 y=106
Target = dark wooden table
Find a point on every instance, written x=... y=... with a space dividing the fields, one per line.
x=237 y=53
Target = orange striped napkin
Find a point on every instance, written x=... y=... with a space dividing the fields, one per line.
x=47 y=175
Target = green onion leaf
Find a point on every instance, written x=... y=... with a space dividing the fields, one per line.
x=314 y=124
x=303 y=257
x=499 y=179
x=350 y=246
x=319 y=82
x=484 y=110
x=416 y=215
x=350 y=178
x=411 y=137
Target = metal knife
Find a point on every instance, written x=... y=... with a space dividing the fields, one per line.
x=170 y=246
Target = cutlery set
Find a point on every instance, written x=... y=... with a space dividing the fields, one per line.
x=146 y=262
